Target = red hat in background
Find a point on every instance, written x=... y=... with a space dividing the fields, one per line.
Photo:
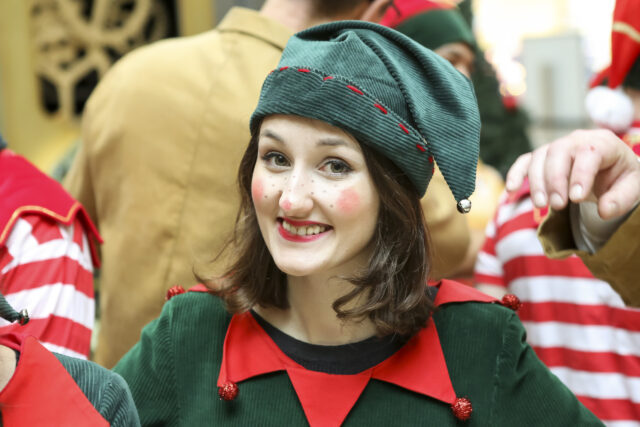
x=402 y=10
x=609 y=107
x=625 y=40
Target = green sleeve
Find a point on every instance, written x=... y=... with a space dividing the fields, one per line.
x=526 y=393
x=150 y=370
x=117 y=405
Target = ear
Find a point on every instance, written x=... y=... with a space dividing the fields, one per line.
x=376 y=10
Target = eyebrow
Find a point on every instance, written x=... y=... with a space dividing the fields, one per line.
x=331 y=142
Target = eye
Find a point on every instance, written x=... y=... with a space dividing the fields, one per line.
x=275 y=159
x=336 y=167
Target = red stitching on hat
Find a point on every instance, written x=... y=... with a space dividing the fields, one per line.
x=421 y=148
x=381 y=108
x=430 y=159
x=283 y=68
x=304 y=70
x=403 y=128
x=355 y=89
x=433 y=170
x=328 y=78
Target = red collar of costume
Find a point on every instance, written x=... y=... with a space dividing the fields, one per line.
x=41 y=391
x=248 y=352
x=24 y=189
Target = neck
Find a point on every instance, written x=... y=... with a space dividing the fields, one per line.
x=634 y=94
x=298 y=15
x=311 y=317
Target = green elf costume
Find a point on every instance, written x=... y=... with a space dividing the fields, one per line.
x=469 y=365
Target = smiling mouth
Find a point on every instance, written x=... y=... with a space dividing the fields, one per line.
x=302 y=230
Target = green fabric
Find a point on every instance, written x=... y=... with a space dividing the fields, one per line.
x=437 y=27
x=172 y=373
x=106 y=391
x=418 y=89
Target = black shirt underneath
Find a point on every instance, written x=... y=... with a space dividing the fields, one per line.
x=344 y=359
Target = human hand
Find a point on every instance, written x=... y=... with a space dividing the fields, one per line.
x=586 y=164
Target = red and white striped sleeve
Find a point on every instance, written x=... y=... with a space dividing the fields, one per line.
x=488 y=271
x=46 y=267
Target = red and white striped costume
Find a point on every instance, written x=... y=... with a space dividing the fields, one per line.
x=47 y=256
x=577 y=324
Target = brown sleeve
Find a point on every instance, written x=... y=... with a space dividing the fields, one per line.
x=617 y=262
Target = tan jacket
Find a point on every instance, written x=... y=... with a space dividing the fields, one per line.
x=617 y=262
x=163 y=135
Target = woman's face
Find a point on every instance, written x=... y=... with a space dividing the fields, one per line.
x=315 y=201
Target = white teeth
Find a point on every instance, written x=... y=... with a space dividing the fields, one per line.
x=309 y=230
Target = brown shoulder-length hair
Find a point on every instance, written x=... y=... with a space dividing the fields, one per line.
x=391 y=291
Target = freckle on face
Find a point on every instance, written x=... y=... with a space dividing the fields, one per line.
x=348 y=200
x=257 y=189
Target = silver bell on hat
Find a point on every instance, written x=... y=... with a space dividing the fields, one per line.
x=464 y=206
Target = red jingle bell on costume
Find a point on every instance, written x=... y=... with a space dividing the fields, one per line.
x=173 y=291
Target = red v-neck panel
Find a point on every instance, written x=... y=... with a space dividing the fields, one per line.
x=327 y=399
x=248 y=351
x=42 y=392
x=419 y=366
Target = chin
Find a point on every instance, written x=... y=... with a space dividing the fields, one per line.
x=296 y=269
x=290 y=270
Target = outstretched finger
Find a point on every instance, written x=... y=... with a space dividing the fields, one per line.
x=557 y=168
x=586 y=165
x=536 y=177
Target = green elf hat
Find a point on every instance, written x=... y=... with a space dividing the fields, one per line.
x=386 y=90
x=430 y=23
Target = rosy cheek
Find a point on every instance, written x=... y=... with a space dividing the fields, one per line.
x=257 y=189
x=348 y=201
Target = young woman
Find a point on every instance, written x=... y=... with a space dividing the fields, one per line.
x=333 y=322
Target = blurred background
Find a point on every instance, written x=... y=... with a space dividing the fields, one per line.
x=531 y=76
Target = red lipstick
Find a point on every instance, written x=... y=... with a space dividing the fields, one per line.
x=287 y=235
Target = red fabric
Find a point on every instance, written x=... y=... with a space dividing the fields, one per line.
x=625 y=48
x=327 y=399
x=41 y=392
x=24 y=189
x=58 y=270
x=401 y=10
x=612 y=409
x=47 y=269
x=56 y=330
x=578 y=360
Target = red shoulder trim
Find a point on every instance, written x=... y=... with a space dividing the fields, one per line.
x=25 y=189
x=450 y=291
x=198 y=288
